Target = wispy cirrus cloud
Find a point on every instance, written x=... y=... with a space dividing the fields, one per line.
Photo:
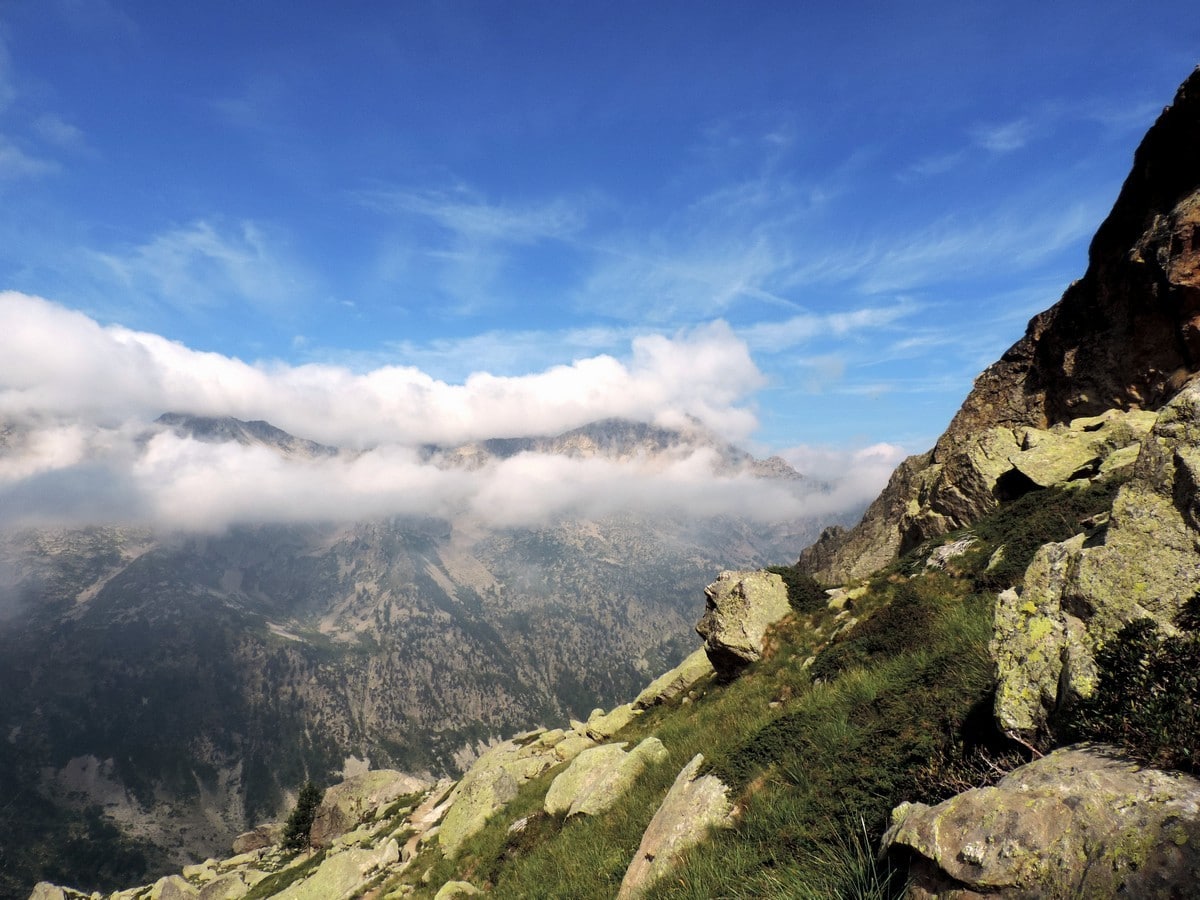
x=466 y=214
x=777 y=336
x=16 y=163
x=207 y=265
x=1004 y=137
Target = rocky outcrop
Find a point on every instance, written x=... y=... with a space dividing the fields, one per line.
x=344 y=805
x=694 y=805
x=1081 y=822
x=740 y=607
x=1124 y=337
x=1077 y=594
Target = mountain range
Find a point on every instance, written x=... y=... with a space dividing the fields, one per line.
x=187 y=683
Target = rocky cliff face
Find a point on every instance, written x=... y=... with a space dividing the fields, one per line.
x=1124 y=337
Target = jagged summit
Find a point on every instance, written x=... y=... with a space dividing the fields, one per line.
x=220 y=429
x=1126 y=336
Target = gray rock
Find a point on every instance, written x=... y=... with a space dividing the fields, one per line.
x=692 y=807
x=1081 y=822
x=741 y=606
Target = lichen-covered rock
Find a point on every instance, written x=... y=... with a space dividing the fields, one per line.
x=452 y=889
x=232 y=886
x=602 y=725
x=599 y=777
x=173 y=887
x=1079 y=593
x=694 y=805
x=490 y=783
x=346 y=804
x=1081 y=822
x=581 y=774
x=336 y=876
x=740 y=607
x=671 y=684
x=1031 y=634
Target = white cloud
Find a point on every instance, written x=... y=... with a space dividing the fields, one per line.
x=57 y=131
x=83 y=396
x=778 y=336
x=62 y=363
x=1005 y=137
x=467 y=214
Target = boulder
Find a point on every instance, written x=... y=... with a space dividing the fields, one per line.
x=452 y=889
x=694 y=805
x=232 y=886
x=740 y=607
x=44 y=890
x=173 y=887
x=1081 y=822
x=346 y=804
x=602 y=725
x=490 y=783
x=671 y=684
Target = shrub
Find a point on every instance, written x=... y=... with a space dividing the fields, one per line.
x=299 y=823
x=1147 y=694
x=805 y=593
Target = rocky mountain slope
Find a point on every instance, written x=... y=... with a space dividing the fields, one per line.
x=1126 y=336
x=185 y=685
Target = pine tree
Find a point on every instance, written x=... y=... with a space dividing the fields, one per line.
x=299 y=823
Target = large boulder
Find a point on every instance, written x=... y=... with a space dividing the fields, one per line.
x=1078 y=594
x=1081 y=822
x=740 y=607
x=694 y=805
x=346 y=804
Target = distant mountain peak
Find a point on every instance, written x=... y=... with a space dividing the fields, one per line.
x=223 y=429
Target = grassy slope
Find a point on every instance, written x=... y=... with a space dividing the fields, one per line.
x=816 y=751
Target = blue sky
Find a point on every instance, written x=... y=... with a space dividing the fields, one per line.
x=866 y=200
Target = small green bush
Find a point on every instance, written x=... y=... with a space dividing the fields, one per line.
x=805 y=593
x=299 y=823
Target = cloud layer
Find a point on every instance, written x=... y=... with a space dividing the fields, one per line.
x=80 y=398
